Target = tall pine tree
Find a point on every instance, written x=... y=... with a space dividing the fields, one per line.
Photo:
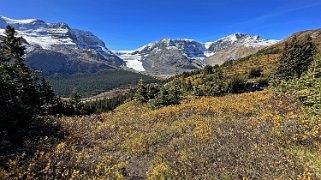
x=141 y=92
x=21 y=96
x=296 y=58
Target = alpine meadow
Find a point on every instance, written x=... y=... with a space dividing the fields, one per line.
x=229 y=105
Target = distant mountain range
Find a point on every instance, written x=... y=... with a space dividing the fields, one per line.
x=56 y=47
x=176 y=55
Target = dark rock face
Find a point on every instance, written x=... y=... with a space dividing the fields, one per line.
x=167 y=61
x=50 y=62
x=189 y=48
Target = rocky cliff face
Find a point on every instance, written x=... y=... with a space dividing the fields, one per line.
x=56 y=47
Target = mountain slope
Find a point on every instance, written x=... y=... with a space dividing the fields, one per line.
x=269 y=56
x=67 y=46
x=234 y=47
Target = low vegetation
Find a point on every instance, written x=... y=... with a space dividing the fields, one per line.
x=253 y=135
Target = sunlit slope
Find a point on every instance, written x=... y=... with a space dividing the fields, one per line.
x=267 y=58
x=253 y=135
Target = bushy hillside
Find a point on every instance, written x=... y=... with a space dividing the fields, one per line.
x=267 y=58
x=257 y=135
x=251 y=73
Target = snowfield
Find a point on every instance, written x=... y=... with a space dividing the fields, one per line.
x=132 y=61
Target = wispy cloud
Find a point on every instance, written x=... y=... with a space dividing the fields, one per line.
x=275 y=14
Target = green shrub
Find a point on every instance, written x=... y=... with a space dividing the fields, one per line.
x=255 y=73
x=236 y=84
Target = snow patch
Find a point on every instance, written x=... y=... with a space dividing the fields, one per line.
x=208 y=45
x=13 y=21
x=208 y=54
x=135 y=64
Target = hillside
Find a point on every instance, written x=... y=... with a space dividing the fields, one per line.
x=267 y=57
x=253 y=136
x=234 y=47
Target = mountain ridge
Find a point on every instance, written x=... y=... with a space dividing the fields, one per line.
x=57 y=47
x=53 y=40
x=193 y=52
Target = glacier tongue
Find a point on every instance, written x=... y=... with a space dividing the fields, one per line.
x=133 y=61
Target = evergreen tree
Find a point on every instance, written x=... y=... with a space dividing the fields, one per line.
x=315 y=67
x=47 y=95
x=75 y=101
x=152 y=90
x=296 y=58
x=141 y=92
x=214 y=83
x=208 y=69
x=236 y=84
x=255 y=72
x=21 y=98
x=165 y=97
x=188 y=85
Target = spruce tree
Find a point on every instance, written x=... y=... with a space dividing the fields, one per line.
x=20 y=89
x=296 y=58
x=141 y=92
x=208 y=70
x=152 y=90
x=188 y=86
x=75 y=101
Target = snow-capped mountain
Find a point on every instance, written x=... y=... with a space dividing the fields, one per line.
x=56 y=47
x=172 y=55
x=190 y=48
x=166 y=53
x=46 y=40
x=233 y=47
x=240 y=40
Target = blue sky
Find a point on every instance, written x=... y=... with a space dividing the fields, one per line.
x=129 y=24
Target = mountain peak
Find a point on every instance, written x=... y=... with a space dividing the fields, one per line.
x=234 y=37
x=165 y=40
